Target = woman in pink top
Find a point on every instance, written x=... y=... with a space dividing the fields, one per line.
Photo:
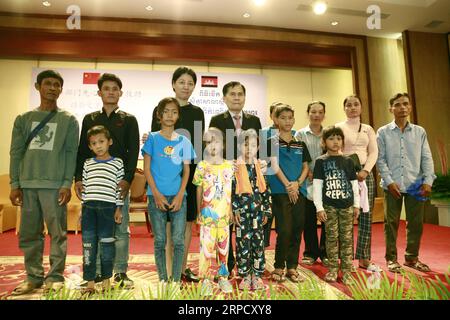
x=361 y=139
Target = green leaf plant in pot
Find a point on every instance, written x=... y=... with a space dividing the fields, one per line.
x=440 y=192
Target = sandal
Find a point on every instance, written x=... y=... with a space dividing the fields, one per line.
x=394 y=266
x=278 y=275
x=24 y=288
x=417 y=265
x=331 y=276
x=294 y=276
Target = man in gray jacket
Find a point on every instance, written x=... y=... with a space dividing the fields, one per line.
x=42 y=163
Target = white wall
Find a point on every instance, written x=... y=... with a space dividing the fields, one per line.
x=295 y=86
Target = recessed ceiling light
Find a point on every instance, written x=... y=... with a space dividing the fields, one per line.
x=319 y=7
x=246 y=15
x=334 y=23
x=259 y=2
x=46 y=3
x=149 y=8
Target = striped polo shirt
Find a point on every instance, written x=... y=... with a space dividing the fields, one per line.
x=291 y=156
x=312 y=142
x=101 y=179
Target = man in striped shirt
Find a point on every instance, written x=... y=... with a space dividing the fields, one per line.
x=311 y=135
x=102 y=207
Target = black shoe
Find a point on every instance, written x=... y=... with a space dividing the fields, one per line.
x=123 y=280
x=98 y=278
x=189 y=276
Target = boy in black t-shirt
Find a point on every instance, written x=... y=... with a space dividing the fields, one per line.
x=336 y=197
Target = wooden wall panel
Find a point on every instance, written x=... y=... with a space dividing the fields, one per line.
x=123 y=46
x=237 y=35
x=429 y=80
x=387 y=76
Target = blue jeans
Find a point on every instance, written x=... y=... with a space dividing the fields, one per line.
x=177 y=224
x=122 y=235
x=97 y=225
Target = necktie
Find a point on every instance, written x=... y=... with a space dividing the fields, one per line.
x=238 y=121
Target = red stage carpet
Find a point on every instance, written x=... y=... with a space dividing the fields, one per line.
x=435 y=251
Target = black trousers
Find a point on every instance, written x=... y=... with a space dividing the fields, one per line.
x=290 y=222
x=313 y=249
x=268 y=230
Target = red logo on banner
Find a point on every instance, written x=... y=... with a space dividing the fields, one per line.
x=209 y=81
x=90 y=77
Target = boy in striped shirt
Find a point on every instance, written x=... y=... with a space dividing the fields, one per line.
x=102 y=207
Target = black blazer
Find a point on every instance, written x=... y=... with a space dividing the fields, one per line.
x=224 y=120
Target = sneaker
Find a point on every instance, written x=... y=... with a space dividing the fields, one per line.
x=257 y=283
x=190 y=276
x=347 y=278
x=246 y=283
x=225 y=285
x=123 y=280
x=207 y=288
x=308 y=261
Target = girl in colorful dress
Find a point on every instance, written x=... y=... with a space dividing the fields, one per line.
x=213 y=178
x=251 y=209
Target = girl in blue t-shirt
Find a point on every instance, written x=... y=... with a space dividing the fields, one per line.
x=167 y=156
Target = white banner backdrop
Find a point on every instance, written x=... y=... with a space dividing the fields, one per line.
x=142 y=90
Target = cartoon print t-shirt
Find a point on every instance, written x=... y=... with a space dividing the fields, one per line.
x=337 y=172
x=167 y=158
x=215 y=208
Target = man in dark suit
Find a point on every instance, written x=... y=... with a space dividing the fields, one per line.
x=231 y=123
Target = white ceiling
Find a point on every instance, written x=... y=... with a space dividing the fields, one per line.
x=351 y=14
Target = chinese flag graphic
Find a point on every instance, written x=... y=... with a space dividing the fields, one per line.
x=90 y=77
